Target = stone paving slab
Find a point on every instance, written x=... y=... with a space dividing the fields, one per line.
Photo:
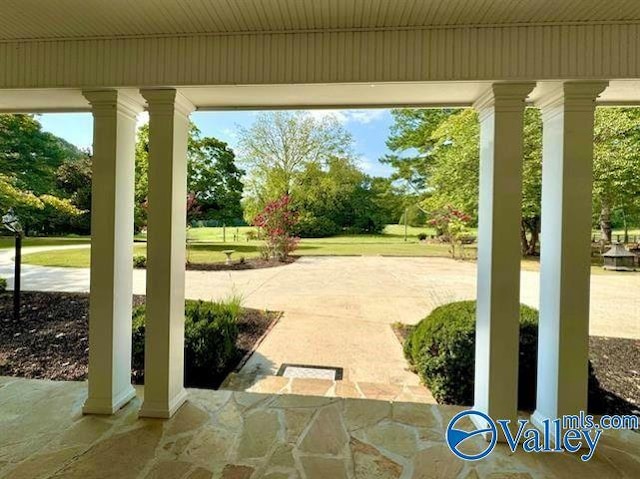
x=239 y=435
x=327 y=388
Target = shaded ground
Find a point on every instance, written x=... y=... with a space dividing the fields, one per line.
x=50 y=341
x=616 y=366
x=616 y=363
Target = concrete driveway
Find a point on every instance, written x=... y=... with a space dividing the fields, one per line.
x=338 y=310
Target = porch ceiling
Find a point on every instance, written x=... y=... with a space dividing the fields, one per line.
x=35 y=19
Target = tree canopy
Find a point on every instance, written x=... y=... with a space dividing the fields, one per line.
x=447 y=167
x=30 y=160
x=312 y=160
x=214 y=182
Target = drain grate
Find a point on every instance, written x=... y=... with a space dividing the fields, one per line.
x=310 y=371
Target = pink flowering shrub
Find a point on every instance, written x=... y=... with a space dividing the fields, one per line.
x=277 y=221
x=451 y=225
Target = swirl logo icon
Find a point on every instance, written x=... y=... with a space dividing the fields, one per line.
x=456 y=436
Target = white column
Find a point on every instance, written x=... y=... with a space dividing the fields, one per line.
x=501 y=112
x=565 y=254
x=164 y=390
x=114 y=136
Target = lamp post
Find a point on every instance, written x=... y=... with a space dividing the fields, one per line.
x=11 y=222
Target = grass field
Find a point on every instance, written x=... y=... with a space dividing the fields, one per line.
x=206 y=246
x=9 y=241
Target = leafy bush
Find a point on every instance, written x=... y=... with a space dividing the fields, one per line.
x=422 y=236
x=310 y=226
x=210 y=335
x=442 y=349
x=139 y=261
x=278 y=221
x=3 y=285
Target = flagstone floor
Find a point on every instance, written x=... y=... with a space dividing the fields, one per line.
x=265 y=384
x=242 y=435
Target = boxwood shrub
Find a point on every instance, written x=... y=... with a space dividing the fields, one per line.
x=210 y=334
x=441 y=348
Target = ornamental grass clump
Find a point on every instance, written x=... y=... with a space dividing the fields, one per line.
x=277 y=222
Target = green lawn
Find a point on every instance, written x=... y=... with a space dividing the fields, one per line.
x=9 y=241
x=206 y=246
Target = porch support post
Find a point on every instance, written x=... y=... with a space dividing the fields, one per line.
x=501 y=111
x=565 y=254
x=164 y=390
x=114 y=136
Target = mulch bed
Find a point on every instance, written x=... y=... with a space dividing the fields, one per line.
x=616 y=366
x=51 y=341
x=253 y=263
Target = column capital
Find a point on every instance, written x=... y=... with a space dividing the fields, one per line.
x=167 y=101
x=503 y=97
x=104 y=102
x=571 y=96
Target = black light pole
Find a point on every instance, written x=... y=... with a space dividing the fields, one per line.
x=10 y=221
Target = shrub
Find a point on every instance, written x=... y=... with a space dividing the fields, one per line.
x=278 y=221
x=422 y=236
x=210 y=335
x=442 y=349
x=310 y=226
x=139 y=261
x=3 y=285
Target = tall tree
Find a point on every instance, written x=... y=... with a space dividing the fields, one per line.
x=279 y=146
x=29 y=161
x=74 y=179
x=453 y=173
x=411 y=141
x=338 y=197
x=32 y=155
x=450 y=169
x=214 y=182
x=616 y=165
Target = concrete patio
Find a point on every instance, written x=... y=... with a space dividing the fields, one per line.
x=221 y=434
x=338 y=310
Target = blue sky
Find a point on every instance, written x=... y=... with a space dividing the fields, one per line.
x=369 y=128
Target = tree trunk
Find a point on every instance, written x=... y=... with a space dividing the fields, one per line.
x=605 y=223
x=626 y=228
x=530 y=226
x=523 y=237
x=533 y=243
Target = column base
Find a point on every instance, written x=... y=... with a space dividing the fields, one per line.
x=481 y=424
x=538 y=420
x=162 y=410
x=108 y=405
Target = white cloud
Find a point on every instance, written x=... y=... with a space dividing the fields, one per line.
x=366 y=116
x=231 y=133
x=365 y=164
x=349 y=116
